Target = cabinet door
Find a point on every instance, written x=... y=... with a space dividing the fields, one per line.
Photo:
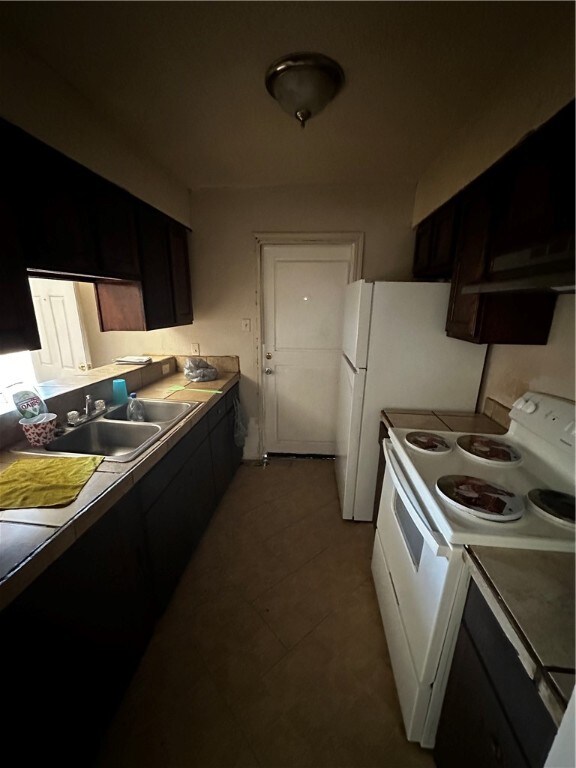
x=465 y=310
x=518 y=694
x=221 y=445
x=179 y=262
x=445 y=225
x=115 y=230
x=423 y=248
x=74 y=638
x=473 y=729
x=155 y=265
x=178 y=498
x=490 y=318
x=59 y=234
x=18 y=328
x=435 y=238
x=535 y=200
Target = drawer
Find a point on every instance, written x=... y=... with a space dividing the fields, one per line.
x=520 y=699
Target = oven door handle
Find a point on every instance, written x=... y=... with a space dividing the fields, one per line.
x=434 y=540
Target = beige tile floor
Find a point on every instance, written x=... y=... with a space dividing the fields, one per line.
x=272 y=651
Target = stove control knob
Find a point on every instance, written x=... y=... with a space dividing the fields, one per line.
x=519 y=403
x=529 y=407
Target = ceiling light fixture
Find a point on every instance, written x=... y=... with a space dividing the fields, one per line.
x=304 y=83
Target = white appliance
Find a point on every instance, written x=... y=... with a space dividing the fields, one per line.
x=445 y=490
x=395 y=354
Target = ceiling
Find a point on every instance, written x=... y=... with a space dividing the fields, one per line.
x=184 y=81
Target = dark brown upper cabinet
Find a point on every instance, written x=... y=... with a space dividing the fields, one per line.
x=490 y=318
x=60 y=219
x=512 y=235
x=162 y=298
x=180 y=270
x=18 y=328
x=435 y=240
x=57 y=231
x=533 y=226
x=77 y=223
x=113 y=214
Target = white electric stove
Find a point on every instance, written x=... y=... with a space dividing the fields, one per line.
x=445 y=490
x=511 y=490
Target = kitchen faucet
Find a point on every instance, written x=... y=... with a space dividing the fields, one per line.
x=89 y=407
x=91 y=411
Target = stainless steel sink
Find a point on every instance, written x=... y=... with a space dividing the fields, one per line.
x=155 y=411
x=113 y=436
x=122 y=441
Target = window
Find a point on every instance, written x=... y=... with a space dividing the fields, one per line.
x=15 y=367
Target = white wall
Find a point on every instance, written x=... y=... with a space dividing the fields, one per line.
x=44 y=105
x=224 y=265
x=224 y=268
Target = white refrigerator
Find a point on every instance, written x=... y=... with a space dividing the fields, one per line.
x=395 y=354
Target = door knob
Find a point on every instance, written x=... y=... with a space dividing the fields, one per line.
x=268 y=371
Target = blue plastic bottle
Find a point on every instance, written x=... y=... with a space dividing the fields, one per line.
x=135 y=409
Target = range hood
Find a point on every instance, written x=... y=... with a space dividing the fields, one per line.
x=540 y=268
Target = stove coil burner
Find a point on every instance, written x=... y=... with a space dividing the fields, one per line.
x=428 y=442
x=479 y=498
x=553 y=505
x=488 y=450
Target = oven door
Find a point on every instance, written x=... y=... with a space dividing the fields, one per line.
x=416 y=574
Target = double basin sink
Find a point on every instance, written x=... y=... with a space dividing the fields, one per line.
x=112 y=435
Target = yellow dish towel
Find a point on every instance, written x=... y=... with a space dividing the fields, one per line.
x=45 y=482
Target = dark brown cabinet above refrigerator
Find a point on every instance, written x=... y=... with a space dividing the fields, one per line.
x=435 y=241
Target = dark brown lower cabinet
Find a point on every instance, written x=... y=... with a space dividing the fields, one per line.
x=474 y=730
x=178 y=497
x=70 y=643
x=492 y=716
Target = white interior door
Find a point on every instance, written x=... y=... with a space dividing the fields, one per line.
x=64 y=347
x=303 y=288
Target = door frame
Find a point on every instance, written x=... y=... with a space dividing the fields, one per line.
x=354 y=239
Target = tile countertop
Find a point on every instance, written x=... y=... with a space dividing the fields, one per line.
x=442 y=421
x=31 y=539
x=532 y=595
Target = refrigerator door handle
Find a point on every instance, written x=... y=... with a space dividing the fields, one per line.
x=349 y=364
x=434 y=540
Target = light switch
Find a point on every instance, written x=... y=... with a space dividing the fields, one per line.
x=194 y=349
x=246 y=324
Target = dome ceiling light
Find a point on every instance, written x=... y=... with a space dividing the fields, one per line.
x=304 y=83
